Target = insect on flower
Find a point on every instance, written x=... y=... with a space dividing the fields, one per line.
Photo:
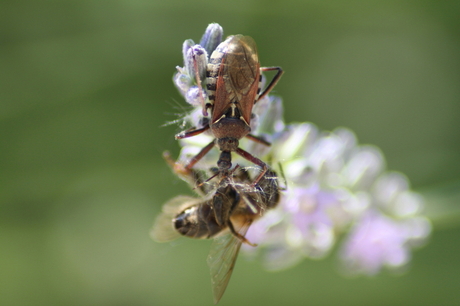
x=194 y=218
x=233 y=87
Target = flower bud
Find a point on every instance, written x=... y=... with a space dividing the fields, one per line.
x=196 y=60
x=182 y=82
x=212 y=37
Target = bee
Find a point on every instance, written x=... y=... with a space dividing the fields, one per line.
x=233 y=87
x=194 y=218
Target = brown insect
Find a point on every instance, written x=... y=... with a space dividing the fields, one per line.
x=194 y=218
x=233 y=87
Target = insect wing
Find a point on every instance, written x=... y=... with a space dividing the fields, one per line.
x=222 y=259
x=163 y=229
x=238 y=78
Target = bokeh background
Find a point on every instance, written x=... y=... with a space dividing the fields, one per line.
x=85 y=87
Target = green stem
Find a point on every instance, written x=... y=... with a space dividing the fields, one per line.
x=442 y=205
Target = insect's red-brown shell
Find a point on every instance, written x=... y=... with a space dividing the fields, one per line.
x=237 y=78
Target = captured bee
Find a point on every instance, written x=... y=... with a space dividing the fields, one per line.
x=233 y=87
x=195 y=218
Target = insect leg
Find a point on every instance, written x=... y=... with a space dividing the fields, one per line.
x=185 y=170
x=258 y=139
x=193 y=177
x=238 y=235
x=272 y=82
x=193 y=132
x=256 y=161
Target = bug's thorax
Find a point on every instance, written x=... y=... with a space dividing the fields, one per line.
x=228 y=127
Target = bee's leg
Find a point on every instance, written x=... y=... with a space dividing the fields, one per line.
x=258 y=139
x=239 y=236
x=272 y=82
x=256 y=161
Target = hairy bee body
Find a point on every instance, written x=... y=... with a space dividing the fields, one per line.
x=225 y=213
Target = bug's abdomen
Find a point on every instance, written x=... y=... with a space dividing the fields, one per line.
x=213 y=70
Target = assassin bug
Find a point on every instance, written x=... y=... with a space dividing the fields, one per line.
x=233 y=87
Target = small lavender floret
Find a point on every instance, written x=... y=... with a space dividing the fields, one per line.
x=362 y=169
x=182 y=82
x=393 y=196
x=269 y=112
x=192 y=96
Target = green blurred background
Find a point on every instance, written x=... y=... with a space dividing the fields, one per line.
x=85 y=87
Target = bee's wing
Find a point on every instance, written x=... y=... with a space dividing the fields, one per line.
x=222 y=258
x=252 y=197
x=163 y=229
x=238 y=77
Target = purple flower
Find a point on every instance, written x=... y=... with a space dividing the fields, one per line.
x=335 y=187
x=377 y=241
